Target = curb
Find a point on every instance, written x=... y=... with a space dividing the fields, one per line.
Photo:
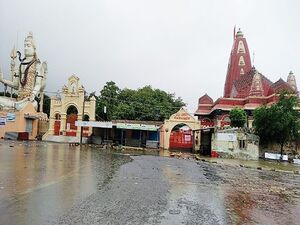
x=296 y=172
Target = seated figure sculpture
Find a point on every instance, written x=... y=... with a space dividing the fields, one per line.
x=28 y=78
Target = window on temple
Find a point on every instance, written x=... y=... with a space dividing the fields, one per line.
x=241 y=48
x=241 y=61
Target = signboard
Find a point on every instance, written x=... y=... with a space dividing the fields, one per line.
x=2 y=121
x=275 y=156
x=134 y=126
x=100 y=124
x=182 y=116
x=187 y=138
x=10 y=117
x=226 y=137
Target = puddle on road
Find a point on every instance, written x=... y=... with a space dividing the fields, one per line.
x=189 y=201
x=39 y=181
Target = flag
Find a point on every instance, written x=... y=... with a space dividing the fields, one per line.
x=234 y=33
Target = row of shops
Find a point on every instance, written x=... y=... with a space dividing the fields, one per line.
x=178 y=132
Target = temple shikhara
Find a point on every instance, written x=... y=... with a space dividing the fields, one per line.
x=245 y=87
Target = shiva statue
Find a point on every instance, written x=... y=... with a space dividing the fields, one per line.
x=28 y=77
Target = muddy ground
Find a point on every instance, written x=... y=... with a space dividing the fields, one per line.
x=55 y=184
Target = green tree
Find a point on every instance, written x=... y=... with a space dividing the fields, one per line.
x=46 y=104
x=279 y=123
x=238 y=117
x=143 y=104
x=147 y=104
x=107 y=101
x=126 y=108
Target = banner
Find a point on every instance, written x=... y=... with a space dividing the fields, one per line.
x=134 y=126
x=100 y=124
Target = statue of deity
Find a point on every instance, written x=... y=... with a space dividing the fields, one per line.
x=28 y=77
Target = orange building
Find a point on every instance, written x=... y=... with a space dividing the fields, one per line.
x=21 y=124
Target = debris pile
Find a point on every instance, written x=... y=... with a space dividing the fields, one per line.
x=181 y=155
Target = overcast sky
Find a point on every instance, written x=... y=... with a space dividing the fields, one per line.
x=180 y=46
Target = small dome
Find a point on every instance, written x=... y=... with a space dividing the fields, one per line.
x=205 y=99
x=239 y=34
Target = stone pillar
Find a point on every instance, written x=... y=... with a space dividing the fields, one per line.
x=51 y=125
x=92 y=108
x=167 y=139
x=218 y=123
x=197 y=141
x=63 y=121
x=41 y=102
x=79 y=118
x=250 y=122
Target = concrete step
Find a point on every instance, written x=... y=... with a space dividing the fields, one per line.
x=65 y=139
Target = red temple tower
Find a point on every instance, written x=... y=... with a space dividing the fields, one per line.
x=239 y=62
x=244 y=87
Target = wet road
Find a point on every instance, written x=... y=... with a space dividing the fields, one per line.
x=46 y=183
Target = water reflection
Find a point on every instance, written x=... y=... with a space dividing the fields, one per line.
x=40 y=181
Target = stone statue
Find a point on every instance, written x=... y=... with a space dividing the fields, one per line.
x=28 y=78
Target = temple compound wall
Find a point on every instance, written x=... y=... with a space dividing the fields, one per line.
x=235 y=143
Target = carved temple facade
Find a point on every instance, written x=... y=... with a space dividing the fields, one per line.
x=245 y=87
x=67 y=108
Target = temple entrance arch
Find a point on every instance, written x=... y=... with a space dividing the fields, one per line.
x=72 y=116
x=181 y=137
x=178 y=129
x=67 y=107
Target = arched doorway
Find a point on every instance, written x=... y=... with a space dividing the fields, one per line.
x=57 y=124
x=180 y=126
x=181 y=137
x=72 y=115
x=85 y=132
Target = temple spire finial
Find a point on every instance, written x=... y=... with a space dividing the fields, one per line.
x=239 y=34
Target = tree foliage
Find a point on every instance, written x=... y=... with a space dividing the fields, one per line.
x=279 y=123
x=46 y=104
x=143 y=104
x=238 y=117
x=107 y=99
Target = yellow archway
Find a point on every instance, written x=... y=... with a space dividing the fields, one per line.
x=181 y=117
x=72 y=95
